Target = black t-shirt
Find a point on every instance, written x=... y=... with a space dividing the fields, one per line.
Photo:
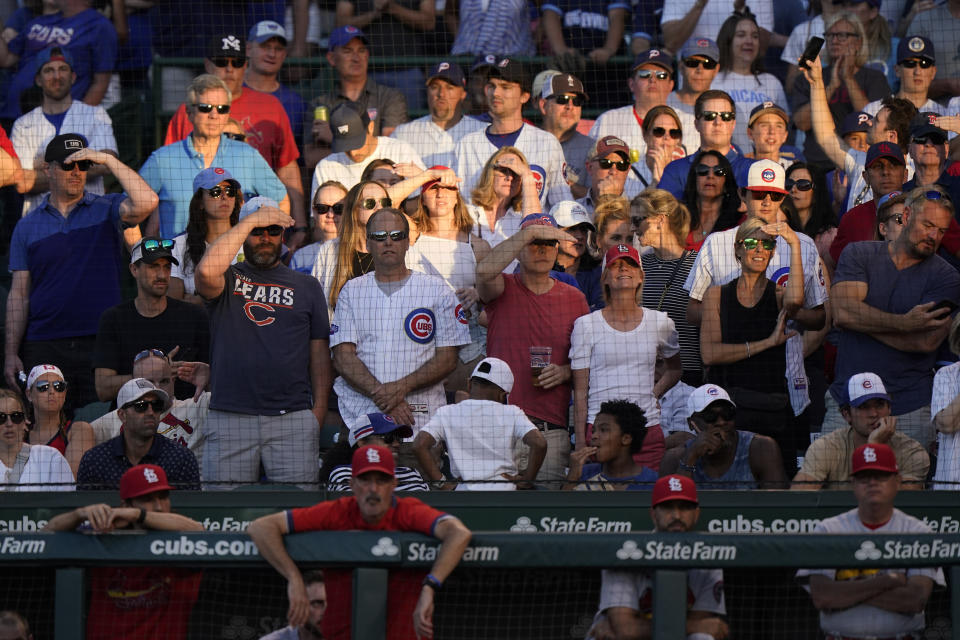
x=123 y=333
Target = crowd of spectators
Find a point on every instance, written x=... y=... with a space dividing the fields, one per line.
x=737 y=275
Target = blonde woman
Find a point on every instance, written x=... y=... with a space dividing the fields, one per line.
x=45 y=468
x=505 y=194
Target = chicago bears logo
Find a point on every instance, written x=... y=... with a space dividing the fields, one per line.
x=461 y=314
x=248 y=308
x=420 y=325
x=768 y=175
x=539 y=177
x=780 y=276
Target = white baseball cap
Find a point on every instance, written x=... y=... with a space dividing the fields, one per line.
x=253 y=204
x=703 y=396
x=41 y=369
x=569 y=213
x=133 y=390
x=496 y=371
x=766 y=175
x=865 y=386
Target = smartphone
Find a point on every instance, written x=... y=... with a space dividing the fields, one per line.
x=814 y=45
x=945 y=304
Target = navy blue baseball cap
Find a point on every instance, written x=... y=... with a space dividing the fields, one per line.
x=343 y=35
x=483 y=61
x=658 y=57
x=915 y=47
x=700 y=47
x=449 y=71
x=884 y=150
x=855 y=122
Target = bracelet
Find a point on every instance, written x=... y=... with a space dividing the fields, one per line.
x=747 y=344
x=142 y=517
x=431 y=581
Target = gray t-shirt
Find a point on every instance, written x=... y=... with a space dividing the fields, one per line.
x=261 y=327
x=575 y=151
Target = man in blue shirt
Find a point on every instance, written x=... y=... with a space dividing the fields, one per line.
x=65 y=257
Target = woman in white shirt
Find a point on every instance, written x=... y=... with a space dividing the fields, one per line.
x=506 y=192
x=741 y=73
x=25 y=467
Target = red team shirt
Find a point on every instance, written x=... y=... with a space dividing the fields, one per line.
x=406 y=514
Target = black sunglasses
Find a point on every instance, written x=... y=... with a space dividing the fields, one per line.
x=381 y=236
x=606 y=163
x=704 y=169
x=273 y=230
x=236 y=63
x=913 y=62
x=659 y=132
x=58 y=385
x=218 y=192
x=83 y=165
x=16 y=417
x=239 y=137
x=774 y=195
x=140 y=406
x=693 y=63
x=564 y=99
x=724 y=412
x=801 y=185
x=932 y=138
x=204 y=107
x=321 y=209
x=371 y=203
x=149 y=352
x=726 y=116
x=644 y=74
x=897 y=217
x=751 y=243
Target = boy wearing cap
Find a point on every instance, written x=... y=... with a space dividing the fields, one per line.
x=58 y=111
x=767 y=129
x=126 y=613
x=626 y=597
x=867 y=413
x=866 y=602
x=435 y=135
x=699 y=62
x=64 y=262
x=267 y=51
x=139 y=405
x=886 y=298
x=372 y=507
x=916 y=68
x=481 y=434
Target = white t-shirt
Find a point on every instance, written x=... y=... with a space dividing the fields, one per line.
x=46 y=470
x=620 y=122
x=797 y=41
x=305 y=257
x=395 y=334
x=946 y=387
x=337 y=166
x=688 y=122
x=622 y=363
x=714 y=14
x=186 y=268
x=505 y=227
x=436 y=145
x=866 y=620
x=620 y=588
x=747 y=92
x=480 y=436
x=324 y=269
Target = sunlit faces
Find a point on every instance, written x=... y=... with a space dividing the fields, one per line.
x=11 y=433
x=373 y=192
x=55 y=79
x=141 y=425
x=561 y=116
x=885 y=175
x=716 y=133
x=768 y=133
x=49 y=400
x=328 y=210
x=745 y=46
x=710 y=185
x=220 y=208
x=755 y=252
x=209 y=125
x=443 y=98
x=650 y=85
x=699 y=78
x=231 y=74
x=608 y=438
x=926 y=224
x=615 y=175
x=622 y=274
x=857 y=140
x=153 y=278
x=505 y=99
x=802 y=198
x=914 y=78
x=390 y=252
x=929 y=150
x=506 y=183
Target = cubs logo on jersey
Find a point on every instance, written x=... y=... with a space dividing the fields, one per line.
x=461 y=314
x=780 y=276
x=539 y=177
x=420 y=325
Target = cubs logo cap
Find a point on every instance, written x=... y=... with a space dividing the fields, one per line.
x=700 y=47
x=538 y=218
x=143 y=479
x=348 y=123
x=855 y=122
x=768 y=107
x=915 y=47
x=570 y=213
x=621 y=252
x=227 y=45
x=607 y=145
x=211 y=177
x=372 y=458
x=496 y=371
x=887 y=198
x=658 y=57
x=766 y=175
x=376 y=424
x=873 y=457
x=561 y=83
x=41 y=369
x=253 y=205
x=865 y=386
x=133 y=390
x=674 y=487
x=884 y=150
x=343 y=35
x=63 y=146
x=53 y=54
x=266 y=29
x=705 y=395
x=449 y=71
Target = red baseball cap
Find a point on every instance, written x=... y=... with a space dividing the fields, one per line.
x=143 y=479
x=674 y=487
x=621 y=251
x=372 y=458
x=874 y=457
x=427 y=185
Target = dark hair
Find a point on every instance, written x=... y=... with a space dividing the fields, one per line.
x=341 y=453
x=313 y=576
x=729 y=206
x=900 y=113
x=630 y=419
x=725 y=41
x=379 y=163
x=711 y=94
x=822 y=216
x=197 y=227
x=396 y=212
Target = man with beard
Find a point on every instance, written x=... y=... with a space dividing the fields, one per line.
x=58 y=112
x=893 y=302
x=372 y=507
x=270 y=342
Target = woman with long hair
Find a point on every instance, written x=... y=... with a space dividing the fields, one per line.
x=47 y=394
x=45 y=469
x=741 y=72
x=327 y=210
x=810 y=211
x=879 y=36
x=663 y=135
x=214 y=209
x=712 y=197
x=612 y=219
x=504 y=195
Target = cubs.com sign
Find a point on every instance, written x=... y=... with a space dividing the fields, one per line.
x=420 y=325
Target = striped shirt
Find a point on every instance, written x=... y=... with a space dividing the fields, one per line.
x=656 y=275
x=494 y=26
x=408 y=479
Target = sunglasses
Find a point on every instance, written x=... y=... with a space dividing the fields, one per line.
x=371 y=203
x=693 y=63
x=58 y=385
x=236 y=63
x=544 y=243
x=726 y=116
x=239 y=137
x=381 y=236
x=140 y=406
x=897 y=217
x=751 y=243
x=505 y=172
x=930 y=138
x=273 y=231
x=605 y=163
x=645 y=74
x=801 y=185
x=16 y=417
x=659 y=132
x=203 y=107
x=218 y=192
x=719 y=413
x=149 y=352
x=83 y=165
x=562 y=100
x=321 y=209
x=774 y=196
x=704 y=170
x=913 y=62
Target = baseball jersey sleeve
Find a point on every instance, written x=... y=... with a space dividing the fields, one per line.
x=701 y=275
x=814 y=284
x=946 y=387
x=622 y=589
x=453 y=328
x=347 y=329
x=706 y=585
x=414 y=515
